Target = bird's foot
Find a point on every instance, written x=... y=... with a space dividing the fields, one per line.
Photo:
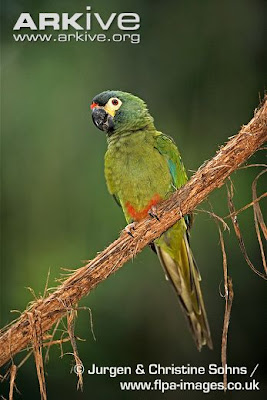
x=129 y=228
x=153 y=212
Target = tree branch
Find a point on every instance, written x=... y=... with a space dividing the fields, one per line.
x=210 y=176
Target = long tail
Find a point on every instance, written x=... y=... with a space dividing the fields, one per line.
x=183 y=273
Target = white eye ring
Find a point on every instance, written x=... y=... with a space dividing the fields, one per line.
x=114 y=103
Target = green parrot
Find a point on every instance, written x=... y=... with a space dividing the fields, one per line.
x=143 y=167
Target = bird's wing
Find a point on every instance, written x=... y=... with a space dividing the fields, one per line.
x=109 y=178
x=176 y=257
x=117 y=200
x=168 y=149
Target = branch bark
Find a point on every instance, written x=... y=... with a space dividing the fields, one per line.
x=209 y=176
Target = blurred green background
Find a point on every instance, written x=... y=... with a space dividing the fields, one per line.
x=200 y=67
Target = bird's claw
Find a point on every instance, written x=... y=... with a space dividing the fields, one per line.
x=129 y=228
x=153 y=212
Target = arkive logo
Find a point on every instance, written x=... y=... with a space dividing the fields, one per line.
x=81 y=23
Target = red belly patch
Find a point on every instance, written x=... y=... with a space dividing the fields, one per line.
x=138 y=215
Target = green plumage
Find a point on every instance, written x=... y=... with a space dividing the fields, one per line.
x=142 y=167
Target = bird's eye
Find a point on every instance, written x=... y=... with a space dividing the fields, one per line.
x=114 y=103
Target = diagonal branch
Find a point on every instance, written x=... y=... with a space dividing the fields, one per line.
x=210 y=176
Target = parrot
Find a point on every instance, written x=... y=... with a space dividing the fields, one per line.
x=142 y=168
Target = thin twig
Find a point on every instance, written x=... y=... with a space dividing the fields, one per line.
x=258 y=218
x=227 y=310
x=71 y=316
x=227 y=313
x=230 y=194
x=35 y=323
x=252 y=165
x=228 y=296
x=12 y=385
x=216 y=217
x=235 y=213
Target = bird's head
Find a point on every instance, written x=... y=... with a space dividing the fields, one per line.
x=116 y=112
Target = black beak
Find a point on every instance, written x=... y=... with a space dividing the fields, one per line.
x=102 y=120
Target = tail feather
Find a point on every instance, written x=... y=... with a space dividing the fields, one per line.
x=185 y=278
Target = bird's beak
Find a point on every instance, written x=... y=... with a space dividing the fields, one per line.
x=102 y=119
